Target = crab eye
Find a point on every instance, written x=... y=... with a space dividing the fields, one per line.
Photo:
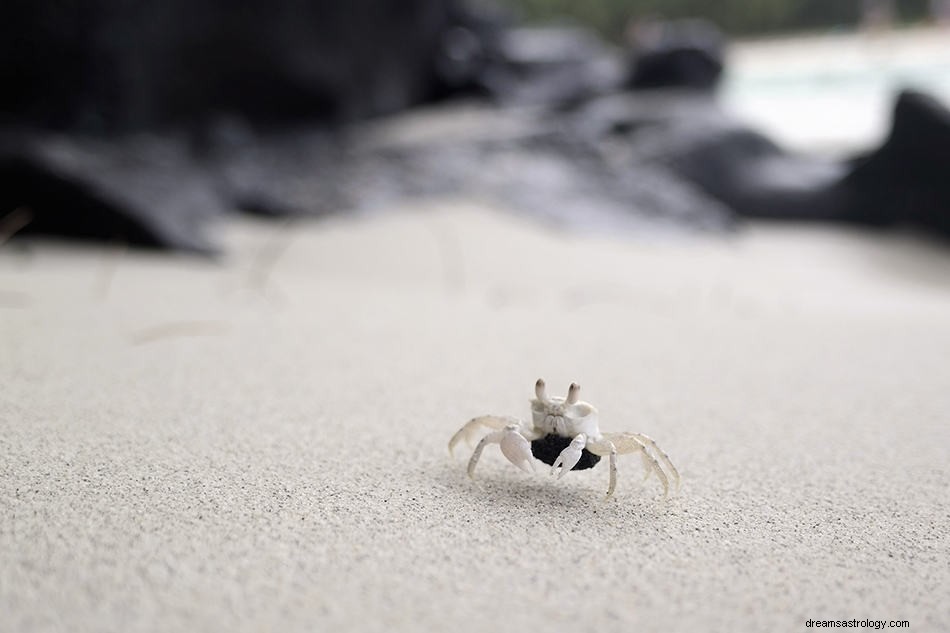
x=539 y=390
x=573 y=393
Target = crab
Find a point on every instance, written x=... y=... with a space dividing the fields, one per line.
x=564 y=434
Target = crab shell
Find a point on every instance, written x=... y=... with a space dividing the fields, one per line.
x=558 y=421
x=555 y=416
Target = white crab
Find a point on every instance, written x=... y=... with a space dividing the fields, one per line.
x=563 y=433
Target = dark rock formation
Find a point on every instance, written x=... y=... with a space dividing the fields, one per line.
x=906 y=180
x=678 y=54
x=902 y=183
x=114 y=66
x=145 y=190
x=174 y=69
x=142 y=122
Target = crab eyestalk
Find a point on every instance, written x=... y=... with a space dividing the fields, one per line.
x=573 y=393
x=539 y=390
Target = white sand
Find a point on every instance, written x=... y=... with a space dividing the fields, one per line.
x=246 y=447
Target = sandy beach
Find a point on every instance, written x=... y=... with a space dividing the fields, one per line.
x=260 y=443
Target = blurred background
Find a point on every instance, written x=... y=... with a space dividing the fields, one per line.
x=798 y=67
x=143 y=123
x=740 y=19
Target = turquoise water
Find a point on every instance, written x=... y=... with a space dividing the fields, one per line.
x=833 y=93
x=935 y=78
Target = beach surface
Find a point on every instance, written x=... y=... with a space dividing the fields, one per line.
x=260 y=443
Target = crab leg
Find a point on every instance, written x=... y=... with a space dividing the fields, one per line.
x=646 y=439
x=472 y=428
x=603 y=448
x=630 y=443
x=614 y=444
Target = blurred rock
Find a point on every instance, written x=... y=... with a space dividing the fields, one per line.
x=174 y=69
x=551 y=65
x=144 y=122
x=902 y=183
x=533 y=160
x=143 y=191
x=676 y=54
x=114 y=66
x=906 y=180
x=691 y=136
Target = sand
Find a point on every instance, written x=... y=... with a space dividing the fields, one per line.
x=260 y=443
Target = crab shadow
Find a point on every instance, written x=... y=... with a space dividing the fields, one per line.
x=516 y=493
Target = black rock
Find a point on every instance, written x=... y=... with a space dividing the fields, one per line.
x=742 y=168
x=115 y=66
x=904 y=182
x=203 y=107
x=142 y=191
x=677 y=54
x=113 y=69
x=907 y=180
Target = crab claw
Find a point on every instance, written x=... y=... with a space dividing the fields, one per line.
x=569 y=456
x=517 y=449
